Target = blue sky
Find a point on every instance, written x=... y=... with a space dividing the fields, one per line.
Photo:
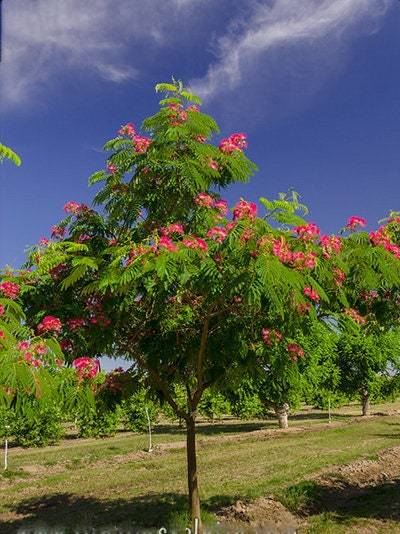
x=314 y=83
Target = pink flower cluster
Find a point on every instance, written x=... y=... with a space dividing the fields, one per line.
x=86 y=367
x=75 y=208
x=353 y=314
x=382 y=238
x=128 y=129
x=234 y=142
x=331 y=244
x=308 y=232
x=76 y=323
x=271 y=336
x=299 y=260
x=178 y=114
x=57 y=231
x=10 y=290
x=217 y=233
x=244 y=209
x=206 y=201
x=111 y=168
x=355 y=221
x=175 y=228
x=339 y=276
x=195 y=243
x=141 y=143
x=295 y=351
x=167 y=243
x=311 y=294
x=49 y=324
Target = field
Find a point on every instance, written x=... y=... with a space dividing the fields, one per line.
x=315 y=476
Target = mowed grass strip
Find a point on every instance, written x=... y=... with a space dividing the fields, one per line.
x=144 y=491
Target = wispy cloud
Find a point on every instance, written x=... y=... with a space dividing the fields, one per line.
x=45 y=38
x=284 y=42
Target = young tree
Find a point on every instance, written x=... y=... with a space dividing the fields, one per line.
x=162 y=276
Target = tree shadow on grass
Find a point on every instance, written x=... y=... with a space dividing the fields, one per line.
x=67 y=513
x=209 y=429
x=346 y=501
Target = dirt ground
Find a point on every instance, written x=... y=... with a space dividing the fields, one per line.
x=365 y=494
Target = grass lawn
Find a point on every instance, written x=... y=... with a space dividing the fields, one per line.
x=104 y=483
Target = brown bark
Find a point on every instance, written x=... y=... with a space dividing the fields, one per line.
x=365 y=402
x=194 y=497
x=282 y=415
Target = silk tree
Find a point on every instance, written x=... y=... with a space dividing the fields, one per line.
x=162 y=275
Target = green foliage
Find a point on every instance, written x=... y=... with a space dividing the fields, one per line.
x=214 y=405
x=39 y=425
x=98 y=422
x=7 y=153
x=134 y=410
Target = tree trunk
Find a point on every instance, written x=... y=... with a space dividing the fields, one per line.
x=282 y=414
x=365 y=402
x=194 y=498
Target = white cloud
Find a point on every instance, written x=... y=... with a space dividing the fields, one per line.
x=281 y=40
x=44 y=39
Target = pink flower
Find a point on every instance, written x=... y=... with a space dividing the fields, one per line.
x=112 y=169
x=2 y=309
x=10 y=289
x=195 y=243
x=271 y=337
x=339 y=276
x=2 y=334
x=311 y=294
x=86 y=367
x=57 y=231
x=330 y=244
x=23 y=345
x=205 y=200
x=75 y=324
x=49 y=324
x=295 y=351
x=84 y=237
x=113 y=242
x=175 y=228
x=141 y=144
x=213 y=164
x=217 y=233
x=72 y=207
x=201 y=138
x=308 y=232
x=355 y=221
x=194 y=108
x=281 y=250
x=166 y=242
x=232 y=143
x=244 y=209
x=40 y=348
x=43 y=241
x=127 y=129
x=221 y=206
x=353 y=314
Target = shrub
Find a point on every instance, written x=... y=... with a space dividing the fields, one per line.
x=134 y=409
x=98 y=423
x=38 y=426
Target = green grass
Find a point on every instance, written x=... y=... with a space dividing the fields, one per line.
x=101 y=483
